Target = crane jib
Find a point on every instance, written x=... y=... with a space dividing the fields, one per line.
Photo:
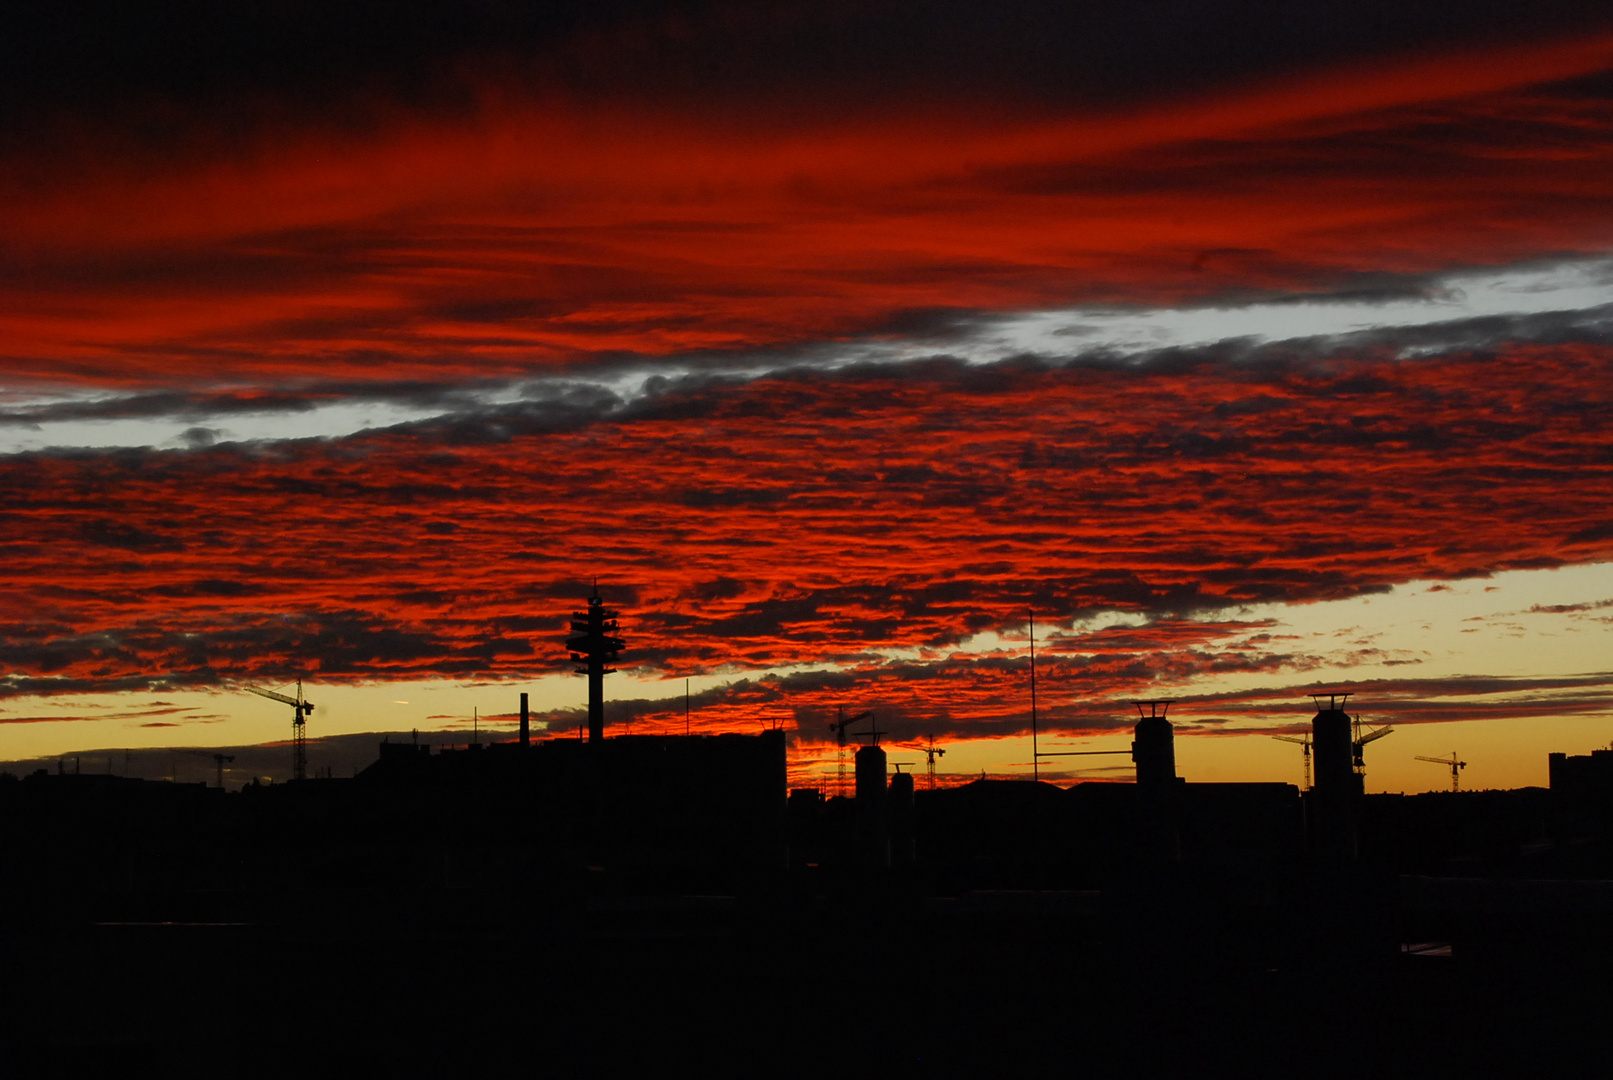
x=304 y=705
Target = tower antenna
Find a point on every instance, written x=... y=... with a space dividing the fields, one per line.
x=1036 y=758
x=594 y=644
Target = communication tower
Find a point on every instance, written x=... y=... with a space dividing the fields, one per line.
x=594 y=644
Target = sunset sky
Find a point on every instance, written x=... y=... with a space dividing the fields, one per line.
x=1256 y=349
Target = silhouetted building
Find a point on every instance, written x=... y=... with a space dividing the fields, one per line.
x=685 y=807
x=1584 y=776
x=663 y=874
x=1333 y=801
x=873 y=817
x=1153 y=751
x=899 y=813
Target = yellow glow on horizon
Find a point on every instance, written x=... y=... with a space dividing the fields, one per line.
x=1519 y=623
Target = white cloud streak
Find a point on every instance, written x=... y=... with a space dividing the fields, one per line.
x=1456 y=300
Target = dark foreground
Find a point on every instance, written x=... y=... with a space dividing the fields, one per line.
x=995 y=982
x=477 y=915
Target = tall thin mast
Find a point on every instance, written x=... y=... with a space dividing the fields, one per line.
x=1036 y=757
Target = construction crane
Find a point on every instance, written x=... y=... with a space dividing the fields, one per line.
x=218 y=759
x=301 y=707
x=930 y=752
x=1364 y=735
x=1304 y=743
x=839 y=727
x=1450 y=763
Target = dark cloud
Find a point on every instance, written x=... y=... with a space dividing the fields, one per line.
x=439 y=396
x=128 y=536
x=342 y=755
x=1568 y=609
x=1412 y=701
x=988 y=697
x=324 y=59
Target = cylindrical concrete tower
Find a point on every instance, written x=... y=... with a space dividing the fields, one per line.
x=1153 y=751
x=1330 y=741
x=870 y=774
x=1332 y=803
x=899 y=799
x=873 y=821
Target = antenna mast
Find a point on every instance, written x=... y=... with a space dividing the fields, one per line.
x=1036 y=758
x=593 y=645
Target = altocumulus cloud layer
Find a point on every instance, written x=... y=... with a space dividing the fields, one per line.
x=806 y=518
x=744 y=308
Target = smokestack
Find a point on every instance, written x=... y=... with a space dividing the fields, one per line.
x=526 y=730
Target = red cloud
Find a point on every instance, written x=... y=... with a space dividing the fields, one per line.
x=800 y=520
x=540 y=233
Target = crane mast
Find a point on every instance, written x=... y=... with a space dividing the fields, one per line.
x=1362 y=734
x=931 y=752
x=1304 y=743
x=840 y=727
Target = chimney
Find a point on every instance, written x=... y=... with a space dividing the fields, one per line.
x=526 y=730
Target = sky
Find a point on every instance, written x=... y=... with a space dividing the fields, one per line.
x=1252 y=351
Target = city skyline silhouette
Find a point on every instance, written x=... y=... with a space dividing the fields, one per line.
x=463 y=465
